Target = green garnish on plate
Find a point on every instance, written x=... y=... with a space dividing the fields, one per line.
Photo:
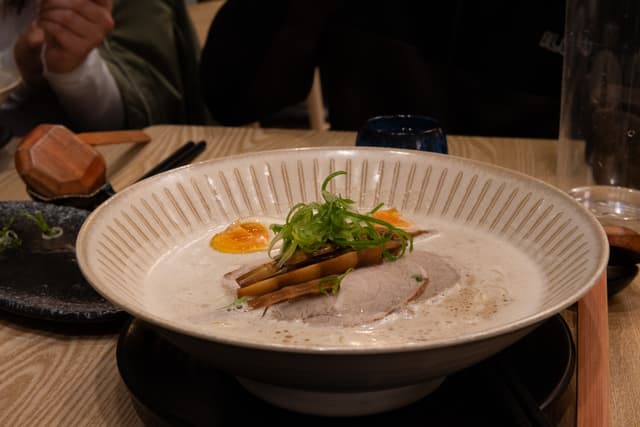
x=237 y=303
x=310 y=226
x=8 y=237
x=418 y=277
x=337 y=280
x=48 y=232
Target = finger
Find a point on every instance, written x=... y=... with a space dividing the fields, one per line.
x=34 y=36
x=88 y=9
x=75 y=4
x=27 y=54
x=73 y=22
x=67 y=40
x=105 y=3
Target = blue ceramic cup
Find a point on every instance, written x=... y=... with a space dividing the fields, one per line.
x=403 y=131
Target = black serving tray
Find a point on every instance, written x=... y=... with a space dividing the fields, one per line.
x=171 y=388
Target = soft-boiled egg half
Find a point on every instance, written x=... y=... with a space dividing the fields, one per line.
x=393 y=217
x=241 y=237
x=252 y=235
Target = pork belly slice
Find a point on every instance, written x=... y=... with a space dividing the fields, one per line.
x=369 y=294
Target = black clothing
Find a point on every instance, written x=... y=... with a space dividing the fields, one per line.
x=476 y=66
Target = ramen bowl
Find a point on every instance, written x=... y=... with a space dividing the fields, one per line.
x=523 y=251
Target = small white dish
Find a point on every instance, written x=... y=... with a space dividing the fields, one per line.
x=146 y=250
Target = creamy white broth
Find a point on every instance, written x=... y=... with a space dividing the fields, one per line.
x=498 y=284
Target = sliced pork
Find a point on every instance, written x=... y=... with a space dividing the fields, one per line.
x=369 y=294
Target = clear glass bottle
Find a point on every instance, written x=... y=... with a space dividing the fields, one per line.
x=599 y=145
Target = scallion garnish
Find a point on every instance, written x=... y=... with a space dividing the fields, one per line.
x=237 y=303
x=418 y=277
x=48 y=232
x=8 y=237
x=336 y=279
x=310 y=226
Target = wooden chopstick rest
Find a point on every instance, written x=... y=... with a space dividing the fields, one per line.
x=54 y=162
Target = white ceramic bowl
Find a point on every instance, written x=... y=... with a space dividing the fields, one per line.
x=8 y=82
x=143 y=228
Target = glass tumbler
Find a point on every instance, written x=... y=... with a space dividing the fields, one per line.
x=599 y=145
x=403 y=131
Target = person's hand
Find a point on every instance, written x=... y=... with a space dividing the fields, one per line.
x=72 y=29
x=27 y=54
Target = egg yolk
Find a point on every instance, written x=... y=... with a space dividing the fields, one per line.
x=241 y=238
x=392 y=216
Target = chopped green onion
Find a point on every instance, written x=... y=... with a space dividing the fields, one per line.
x=237 y=303
x=48 y=232
x=310 y=226
x=8 y=237
x=337 y=279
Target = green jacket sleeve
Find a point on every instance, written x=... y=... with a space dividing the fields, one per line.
x=153 y=54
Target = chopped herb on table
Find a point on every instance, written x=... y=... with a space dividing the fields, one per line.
x=48 y=232
x=8 y=237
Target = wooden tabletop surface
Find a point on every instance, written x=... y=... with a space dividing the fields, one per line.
x=202 y=15
x=51 y=376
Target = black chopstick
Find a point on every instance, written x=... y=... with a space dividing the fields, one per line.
x=181 y=156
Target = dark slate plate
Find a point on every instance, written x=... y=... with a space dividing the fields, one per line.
x=41 y=278
x=171 y=388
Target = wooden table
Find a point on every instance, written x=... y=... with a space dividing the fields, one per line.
x=202 y=15
x=52 y=377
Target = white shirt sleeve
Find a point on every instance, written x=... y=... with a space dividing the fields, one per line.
x=89 y=94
